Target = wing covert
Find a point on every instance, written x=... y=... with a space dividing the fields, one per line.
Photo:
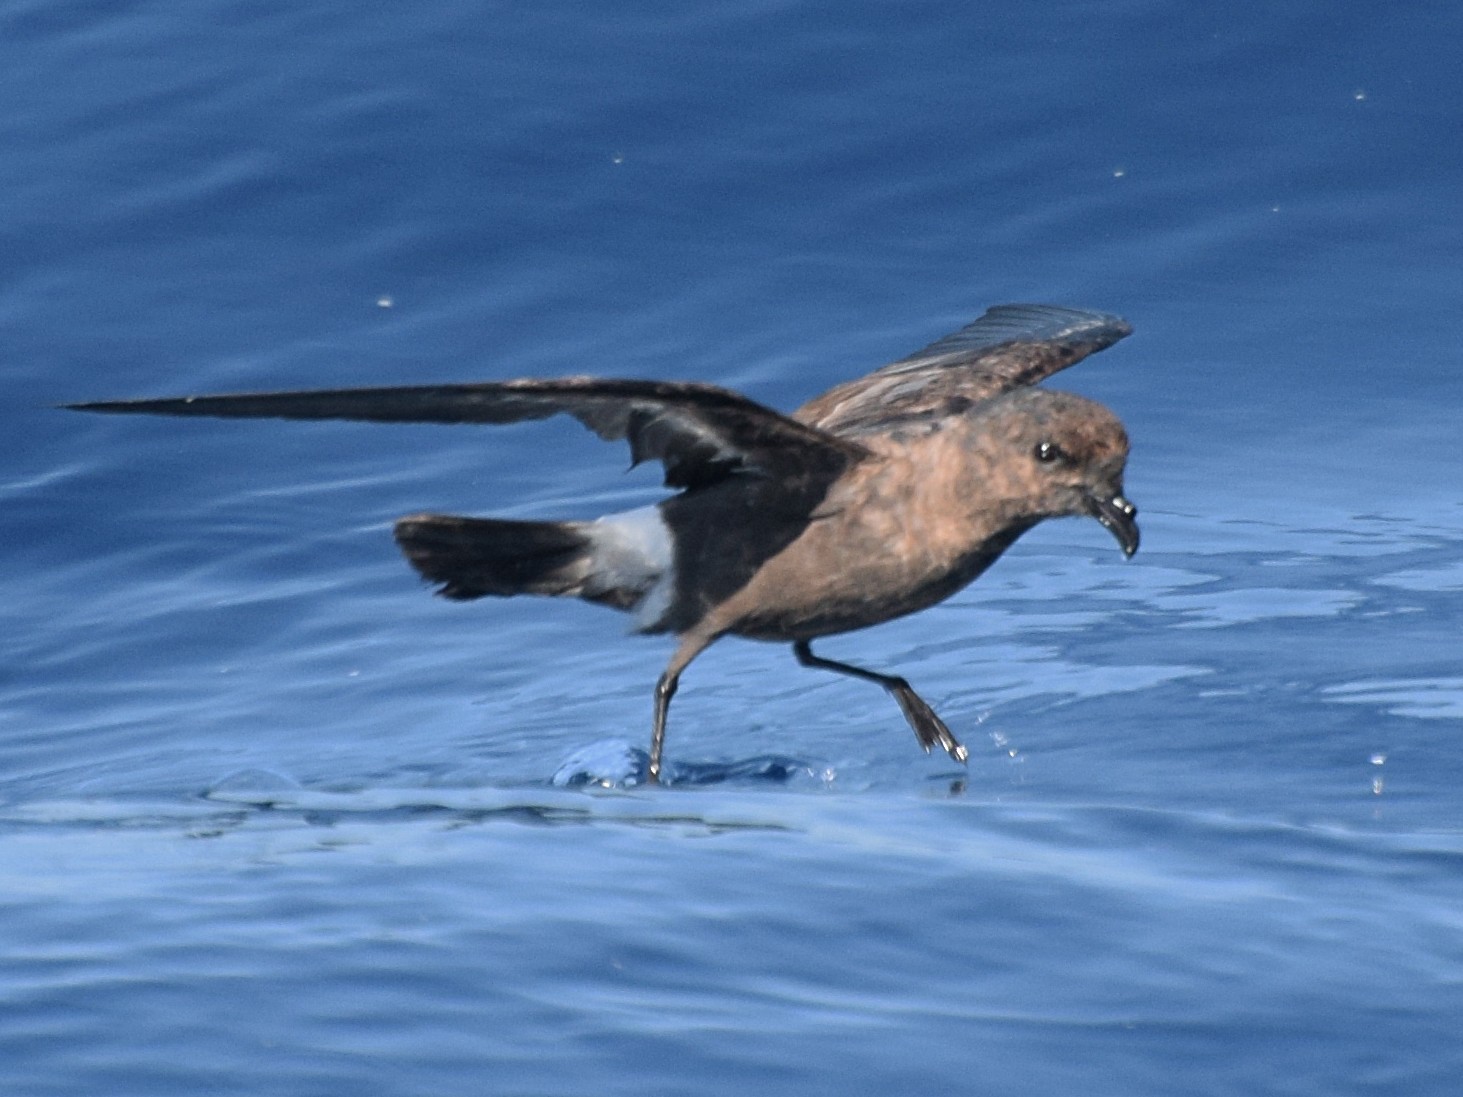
x=1008 y=347
x=1019 y=344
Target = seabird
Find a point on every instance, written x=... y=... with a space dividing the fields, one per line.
x=879 y=498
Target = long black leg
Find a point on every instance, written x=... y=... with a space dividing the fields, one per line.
x=691 y=646
x=665 y=689
x=929 y=729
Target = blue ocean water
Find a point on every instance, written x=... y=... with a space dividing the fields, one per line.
x=273 y=821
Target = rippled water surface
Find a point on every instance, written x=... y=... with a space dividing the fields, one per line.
x=273 y=821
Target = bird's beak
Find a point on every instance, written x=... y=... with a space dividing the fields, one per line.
x=1121 y=519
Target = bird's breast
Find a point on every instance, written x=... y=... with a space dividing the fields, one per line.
x=896 y=535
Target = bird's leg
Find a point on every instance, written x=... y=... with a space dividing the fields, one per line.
x=665 y=689
x=691 y=646
x=929 y=729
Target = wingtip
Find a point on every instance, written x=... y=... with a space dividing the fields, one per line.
x=1059 y=321
x=87 y=405
x=90 y=405
x=153 y=407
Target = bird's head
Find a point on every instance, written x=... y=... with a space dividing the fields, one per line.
x=1065 y=455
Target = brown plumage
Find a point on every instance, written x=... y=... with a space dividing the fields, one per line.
x=879 y=498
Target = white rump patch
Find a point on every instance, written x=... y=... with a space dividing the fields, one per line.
x=633 y=550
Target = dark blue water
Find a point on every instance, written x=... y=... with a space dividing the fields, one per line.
x=273 y=821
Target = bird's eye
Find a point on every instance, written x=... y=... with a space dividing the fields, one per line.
x=1047 y=452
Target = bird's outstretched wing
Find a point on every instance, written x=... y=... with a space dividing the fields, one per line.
x=700 y=433
x=1010 y=346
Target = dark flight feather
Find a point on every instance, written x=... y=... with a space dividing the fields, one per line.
x=700 y=433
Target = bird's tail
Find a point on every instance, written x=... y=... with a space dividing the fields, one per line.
x=616 y=561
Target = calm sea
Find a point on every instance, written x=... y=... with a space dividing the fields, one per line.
x=275 y=822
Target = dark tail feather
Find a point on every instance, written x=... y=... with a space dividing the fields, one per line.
x=473 y=557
